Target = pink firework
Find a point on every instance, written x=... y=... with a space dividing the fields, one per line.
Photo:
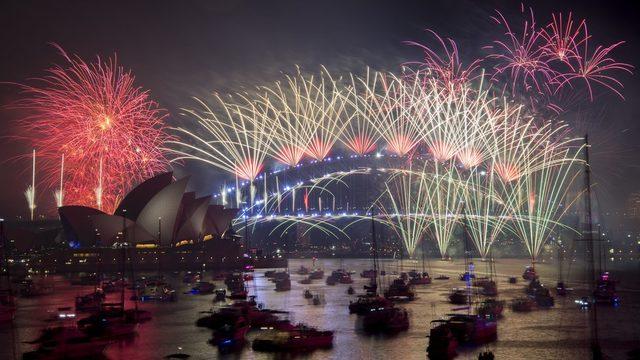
x=401 y=144
x=448 y=70
x=561 y=37
x=95 y=115
x=522 y=57
x=594 y=67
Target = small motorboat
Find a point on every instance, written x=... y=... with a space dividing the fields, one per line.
x=491 y=308
x=316 y=274
x=368 y=274
x=302 y=270
x=203 y=288
x=191 y=277
x=442 y=342
x=67 y=343
x=466 y=276
x=307 y=294
x=351 y=290
x=605 y=292
x=473 y=329
x=442 y=277
x=386 y=320
x=316 y=300
x=283 y=284
x=220 y=295
x=399 y=290
x=561 y=289
x=305 y=281
x=419 y=279
x=489 y=288
x=365 y=303
x=523 y=304
x=297 y=339
x=513 y=280
x=459 y=297
x=529 y=273
x=230 y=336
x=90 y=302
x=238 y=294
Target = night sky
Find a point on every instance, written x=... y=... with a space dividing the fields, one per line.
x=182 y=49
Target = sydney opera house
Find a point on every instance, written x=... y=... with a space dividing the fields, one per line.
x=159 y=225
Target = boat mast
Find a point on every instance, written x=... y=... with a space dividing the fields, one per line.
x=587 y=235
x=467 y=265
x=375 y=252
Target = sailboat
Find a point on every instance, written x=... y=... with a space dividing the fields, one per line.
x=420 y=278
x=371 y=300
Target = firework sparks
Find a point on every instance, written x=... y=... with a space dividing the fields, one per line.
x=87 y=111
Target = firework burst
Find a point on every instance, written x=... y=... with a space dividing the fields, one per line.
x=92 y=111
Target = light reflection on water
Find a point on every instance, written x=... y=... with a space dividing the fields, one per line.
x=546 y=334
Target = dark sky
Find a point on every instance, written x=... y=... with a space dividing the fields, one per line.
x=180 y=49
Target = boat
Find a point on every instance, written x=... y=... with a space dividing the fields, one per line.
x=442 y=277
x=523 y=304
x=467 y=276
x=302 y=270
x=491 y=308
x=331 y=280
x=191 y=277
x=442 y=342
x=203 y=288
x=157 y=292
x=540 y=294
x=305 y=281
x=283 y=284
x=365 y=303
x=220 y=295
x=351 y=290
x=307 y=294
x=66 y=343
x=30 y=288
x=231 y=335
x=420 y=279
x=489 y=288
x=301 y=338
x=238 y=294
x=513 y=280
x=316 y=300
x=561 y=289
x=90 y=302
x=473 y=329
x=529 y=273
x=7 y=307
x=605 y=291
x=368 y=274
x=386 y=320
x=459 y=297
x=399 y=290
x=316 y=274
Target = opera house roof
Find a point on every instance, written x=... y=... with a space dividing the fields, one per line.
x=157 y=211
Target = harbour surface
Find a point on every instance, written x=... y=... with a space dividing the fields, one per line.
x=560 y=332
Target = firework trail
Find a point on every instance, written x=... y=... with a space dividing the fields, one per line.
x=88 y=111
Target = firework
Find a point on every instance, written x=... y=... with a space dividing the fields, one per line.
x=359 y=135
x=88 y=111
x=541 y=199
x=407 y=193
x=448 y=70
x=236 y=138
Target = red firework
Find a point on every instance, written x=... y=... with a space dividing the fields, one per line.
x=94 y=114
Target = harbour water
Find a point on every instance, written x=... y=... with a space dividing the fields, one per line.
x=560 y=332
